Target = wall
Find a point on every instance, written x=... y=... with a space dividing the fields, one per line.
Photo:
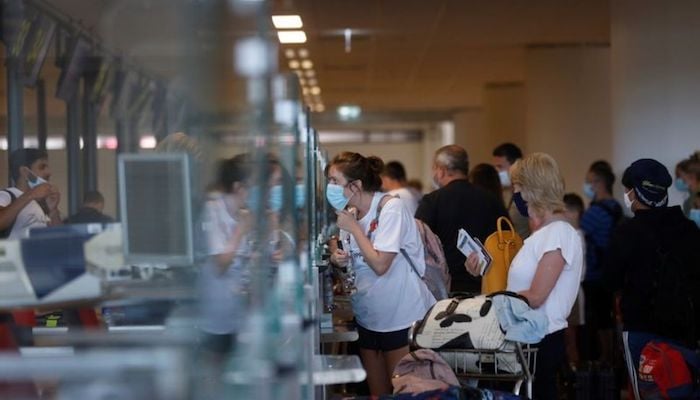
x=469 y=133
x=568 y=107
x=655 y=81
x=504 y=115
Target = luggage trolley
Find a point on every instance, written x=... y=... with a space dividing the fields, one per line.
x=466 y=333
x=512 y=363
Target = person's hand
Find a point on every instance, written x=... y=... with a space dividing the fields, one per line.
x=347 y=221
x=53 y=199
x=472 y=264
x=340 y=258
x=40 y=192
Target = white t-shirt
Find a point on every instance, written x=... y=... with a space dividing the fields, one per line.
x=222 y=297
x=395 y=300
x=31 y=216
x=555 y=235
x=408 y=199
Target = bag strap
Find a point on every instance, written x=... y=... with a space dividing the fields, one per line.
x=509 y=294
x=413 y=266
x=499 y=228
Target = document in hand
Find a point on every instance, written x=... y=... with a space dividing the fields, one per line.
x=468 y=244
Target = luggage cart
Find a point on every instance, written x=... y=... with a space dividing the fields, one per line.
x=512 y=362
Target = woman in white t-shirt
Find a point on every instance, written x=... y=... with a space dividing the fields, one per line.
x=390 y=296
x=547 y=269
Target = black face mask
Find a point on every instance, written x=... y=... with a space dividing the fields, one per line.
x=521 y=204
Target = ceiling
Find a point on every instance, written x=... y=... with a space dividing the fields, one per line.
x=406 y=55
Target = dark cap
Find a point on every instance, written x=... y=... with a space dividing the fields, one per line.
x=650 y=180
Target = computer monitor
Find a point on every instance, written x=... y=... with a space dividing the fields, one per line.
x=156 y=209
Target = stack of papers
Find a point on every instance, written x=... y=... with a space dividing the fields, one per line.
x=468 y=244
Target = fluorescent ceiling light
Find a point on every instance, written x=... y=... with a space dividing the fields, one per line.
x=294 y=64
x=291 y=37
x=148 y=142
x=349 y=112
x=287 y=21
x=305 y=91
x=307 y=64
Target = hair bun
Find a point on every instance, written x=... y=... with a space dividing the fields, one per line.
x=375 y=164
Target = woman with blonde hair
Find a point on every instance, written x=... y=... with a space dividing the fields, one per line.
x=547 y=270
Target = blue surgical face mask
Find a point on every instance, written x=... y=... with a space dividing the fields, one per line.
x=299 y=195
x=695 y=216
x=521 y=204
x=336 y=197
x=275 y=198
x=588 y=190
x=681 y=186
x=35 y=181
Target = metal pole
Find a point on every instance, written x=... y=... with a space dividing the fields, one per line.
x=120 y=132
x=89 y=137
x=41 y=114
x=73 y=153
x=15 y=109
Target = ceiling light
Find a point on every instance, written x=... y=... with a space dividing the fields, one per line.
x=305 y=91
x=315 y=90
x=349 y=112
x=302 y=81
x=320 y=108
x=307 y=64
x=289 y=53
x=294 y=64
x=303 y=53
x=287 y=21
x=287 y=37
x=313 y=82
x=310 y=73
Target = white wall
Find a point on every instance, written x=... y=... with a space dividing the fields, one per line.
x=568 y=108
x=655 y=81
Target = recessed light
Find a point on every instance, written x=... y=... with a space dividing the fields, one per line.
x=310 y=73
x=303 y=53
x=291 y=37
x=290 y=53
x=294 y=64
x=302 y=81
x=287 y=21
x=320 y=108
x=315 y=90
x=305 y=90
x=307 y=64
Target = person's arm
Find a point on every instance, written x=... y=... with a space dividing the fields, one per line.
x=548 y=270
x=8 y=214
x=379 y=261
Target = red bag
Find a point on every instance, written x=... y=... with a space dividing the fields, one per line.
x=663 y=372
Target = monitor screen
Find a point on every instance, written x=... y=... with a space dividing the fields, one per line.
x=69 y=81
x=36 y=46
x=156 y=209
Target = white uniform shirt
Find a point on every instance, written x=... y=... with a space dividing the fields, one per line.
x=407 y=198
x=395 y=300
x=222 y=293
x=31 y=216
x=555 y=235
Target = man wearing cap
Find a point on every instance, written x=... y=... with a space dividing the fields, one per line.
x=658 y=237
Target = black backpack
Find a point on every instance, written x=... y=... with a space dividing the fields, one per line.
x=676 y=295
x=5 y=233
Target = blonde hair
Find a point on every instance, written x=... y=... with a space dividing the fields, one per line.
x=541 y=183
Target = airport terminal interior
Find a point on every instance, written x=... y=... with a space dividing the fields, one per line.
x=190 y=189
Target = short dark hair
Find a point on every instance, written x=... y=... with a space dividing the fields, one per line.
x=93 y=196
x=603 y=170
x=453 y=158
x=355 y=166
x=232 y=170
x=574 y=202
x=395 y=170
x=510 y=151
x=25 y=158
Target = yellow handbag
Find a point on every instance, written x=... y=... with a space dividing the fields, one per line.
x=502 y=245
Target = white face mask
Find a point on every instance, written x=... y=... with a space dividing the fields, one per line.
x=628 y=202
x=504 y=177
x=35 y=180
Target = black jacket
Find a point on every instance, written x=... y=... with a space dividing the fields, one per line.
x=460 y=205
x=87 y=215
x=633 y=257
